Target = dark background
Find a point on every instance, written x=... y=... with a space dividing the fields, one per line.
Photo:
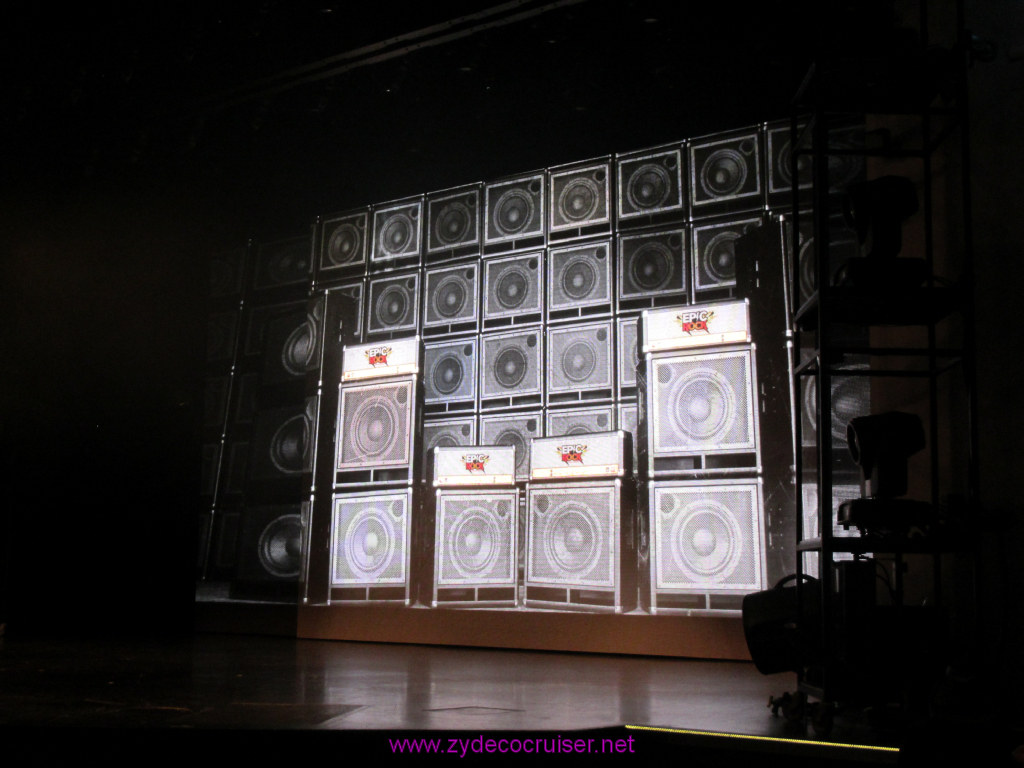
x=141 y=136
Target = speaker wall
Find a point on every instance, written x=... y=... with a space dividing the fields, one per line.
x=225 y=275
x=449 y=371
x=451 y=296
x=714 y=253
x=475 y=539
x=580 y=360
x=282 y=441
x=283 y=262
x=375 y=423
x=515 y=429
x=393 y=304
x=702 y=404
x=627 y=359
x=580 y=421
x=652 y=264
x=221 y=333
x=510 y=366
x=370 y=540
x=344 y=241
x=649 y=182
x=706 y=537
x=396 y=232
x=448 y=433
x=725 y=171
x=513 y=286
x=514 y=209
x=287 y=337
x=579 y=196
x=579 y=277
x=271 y=544
x=453 y=220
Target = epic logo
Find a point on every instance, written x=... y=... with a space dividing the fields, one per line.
x=695 y=320
x=475 y=461
x=572 y=453
x=377 y=355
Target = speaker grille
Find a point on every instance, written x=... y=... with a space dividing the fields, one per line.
x=707 y=537
x=396 y=232
x=449 y=371
x=579 y=276
x=627 y=327
x=370 y=540
x=374 y=425
x=476 y=539
x=285 y=262
x=842 y=246
x=703 y=404
x=290 y=339
x=572 y=537
x=515 y=209
x=851 y=397
x=714 y=253
x=580 y=421
x=511 y=364
x=512 y=286
x=453 y=221
x=516 y=430
x=650 y=183
x=451 y=295
x=393 y=304
x=282 y=441
x=780 y=153
x=725 y=170
x=580 y=357
x=652 y=264
x=579 y=197
x=343 y=241
x=448 y=433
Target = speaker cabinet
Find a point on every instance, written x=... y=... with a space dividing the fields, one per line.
x=476 y=548
x=516 y=430
x=626 y=359
x=370 y=547
x=850 y=398
x=397 y=233
x=706 y=543
x=580 y=547
x=375 y=432
x=714 y=253
x=286 y=337
x=225 y=273
x=580 y=363
x=650 y=183
x=222 y=555
x=652 y=269
x=352 y=328
x=447 y=433
x=513 y=289
x=344 y=241
x=842 y=246
x=283 y=263
x=811 y=530
x=450 y=302
x=510 y=369
x=271 y=544
x=628 y=423
x=844 y=168
x=725 y=173
x=237 y=469
x=515 y=212
x=282 y=442
x=702 y=407
x=579 y=281
x=453 y=223
x=580 y=421
x=450 y=375
x=580 y=200
x=394 y=304
x=221 y=336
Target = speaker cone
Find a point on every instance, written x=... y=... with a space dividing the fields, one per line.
x=512 y=288
x=289 y=445
x=396 y=234
x=343 y=247
x=851 y=398
x=474 y=542
x=374 y=426
x=299 y=347
x=578 y=278
x=392 y=305
x=702 y=404
x=510 y=367
x=370 y=544
x=280 y=546
x=513 y=211
x=453 y=223
x=651 y=266
x=579 y=360
x=720 y=256
x=649 y=186
x=449 y=297
x=706 y=541
x=446 y=374
x=579 y=199
x=723 y=173
x=572 y=539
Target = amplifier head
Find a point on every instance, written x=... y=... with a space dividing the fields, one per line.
x=602 y=454
x=398 y=357
x=474 y=465
x=697 y=325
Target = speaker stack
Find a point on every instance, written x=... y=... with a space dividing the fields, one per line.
x=581 y=523
x=476 y=526
x=701 y=520
x=374 y=471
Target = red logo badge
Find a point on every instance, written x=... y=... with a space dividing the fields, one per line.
x=572 y=453
x=475 y=462
x=695 y=321
x=377 y=356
